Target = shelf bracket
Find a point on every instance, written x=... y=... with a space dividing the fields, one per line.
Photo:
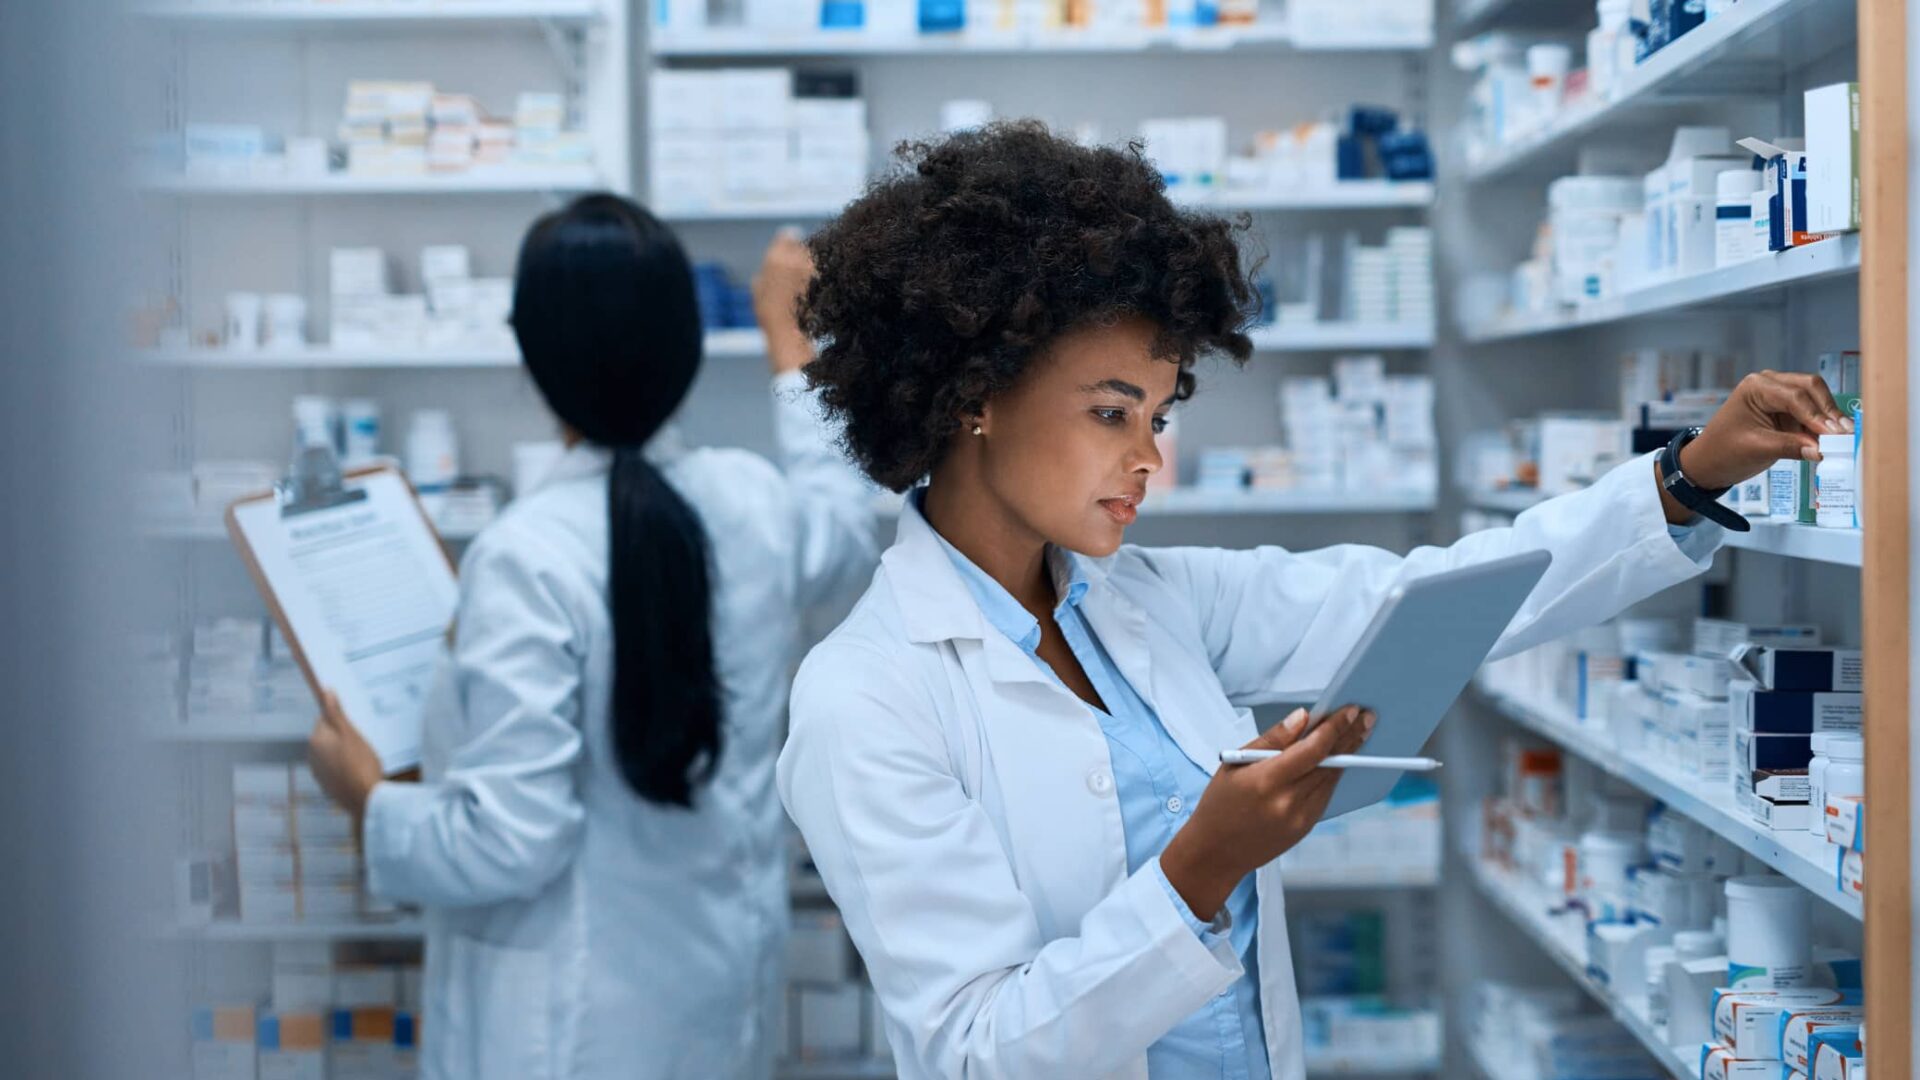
x=569 y=47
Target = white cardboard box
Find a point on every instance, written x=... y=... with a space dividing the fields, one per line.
x=1833 y=157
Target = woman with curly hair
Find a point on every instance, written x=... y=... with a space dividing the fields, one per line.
x=1005 y=760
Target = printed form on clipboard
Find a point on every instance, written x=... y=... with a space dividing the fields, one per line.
x=363 y=589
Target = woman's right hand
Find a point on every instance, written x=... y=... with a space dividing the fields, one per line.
x=1249 y=814
x=784 y=273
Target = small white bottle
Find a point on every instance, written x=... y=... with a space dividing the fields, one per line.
x=1833 y=484
x=315 y=422
x=1816 y=787
x=359 y=431
x=433 y=453
x=1846 y=772
x=1733 y=216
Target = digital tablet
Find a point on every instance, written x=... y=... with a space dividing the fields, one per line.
x=1415 y=657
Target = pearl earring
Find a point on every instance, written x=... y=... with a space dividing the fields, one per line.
x=976 y=429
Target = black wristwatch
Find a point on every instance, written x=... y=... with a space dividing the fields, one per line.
x=1702 y=501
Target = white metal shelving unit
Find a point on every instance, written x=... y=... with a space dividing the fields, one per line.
x=306 y=15
x=1745 y=68
x=492 y=180
x=1790 y=540
x=739 y=43
x=1739 y=54
x=1797 y=854
x=1749 y=282
x=1562 y=937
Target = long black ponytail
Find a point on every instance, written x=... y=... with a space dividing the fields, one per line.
x=605 y=312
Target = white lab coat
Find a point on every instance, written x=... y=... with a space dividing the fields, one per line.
x=960 y=803
x=574 y=930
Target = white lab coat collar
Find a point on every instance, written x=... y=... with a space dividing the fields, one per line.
x=936 y=606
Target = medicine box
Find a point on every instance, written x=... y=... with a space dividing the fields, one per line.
x=1845 y=818
x=366 y=987
x=1748 y=1021
x=1690 y=989
x=223 y=1043
x=1754 y=751
x=1797 y=1027
x=1778 y=816
x=1778 y=785
x=1793 y=712
x=1822 y=669
x=1849 y=873
x=828 y=1020
x=1838 y=1055
x=1721 y=637
x=1719 y=1063
x=293 y=1046
x=363 y=1044
x=1833 y=157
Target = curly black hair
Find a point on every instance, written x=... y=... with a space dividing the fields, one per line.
x=937 y=286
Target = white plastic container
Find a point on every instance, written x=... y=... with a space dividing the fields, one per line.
x=1733 y=216
x=285 y=325
x=1605 y=858
x=1547 y=67
x=1769 y=932
x=1586 y=214
x=244 y=310
x=1833 y=484
x=359 y=431
x=433 y=452
x=1846 y=772
x=1816 y=770
x=315 y=422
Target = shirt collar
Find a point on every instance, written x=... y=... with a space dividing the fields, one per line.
x=1006 y=614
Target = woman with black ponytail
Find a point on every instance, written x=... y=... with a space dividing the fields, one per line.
x=597 y=843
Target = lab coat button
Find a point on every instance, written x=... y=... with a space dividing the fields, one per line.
x=1099 y=781
x=1175 y=804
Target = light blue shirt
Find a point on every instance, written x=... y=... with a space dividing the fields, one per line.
x=1158 y=787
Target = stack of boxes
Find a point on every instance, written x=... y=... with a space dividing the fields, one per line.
x=1361 y=430
x=455 y=308
x=294 y=851
x=1396 y=838
x=1392 y=284
x=393 y=128
x=241 y=671
x=321 y=1021
x=747 y=136
x=830 y=1014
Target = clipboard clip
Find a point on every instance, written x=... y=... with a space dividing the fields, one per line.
x=314 y=483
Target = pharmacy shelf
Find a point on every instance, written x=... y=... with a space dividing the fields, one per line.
x=1376 y=1065
x=1200 y=502
x=239 y=730
x=1353 y=195
x=1840 y=547
x=1740 y=283
x=1740 y=53
x=240 y=932
x=1797 y=854
x=322 y=357
x=1348 y=195
x=1334 y=336
x=500 y=180
x=1414 y=877
x=381 y=14
x=1473 y=14
x=794 y=210
x=1561 y=934
x=719 y=344
x=851 y=1069
x=697 y=44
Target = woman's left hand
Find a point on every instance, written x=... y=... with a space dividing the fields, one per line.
x=1771 y=415
x=343 y=761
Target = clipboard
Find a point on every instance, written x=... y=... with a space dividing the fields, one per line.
x=362 y=587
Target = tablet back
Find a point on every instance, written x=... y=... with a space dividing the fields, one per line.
x=1415 y=657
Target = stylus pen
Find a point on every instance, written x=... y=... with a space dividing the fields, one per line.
x=1337 y=761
